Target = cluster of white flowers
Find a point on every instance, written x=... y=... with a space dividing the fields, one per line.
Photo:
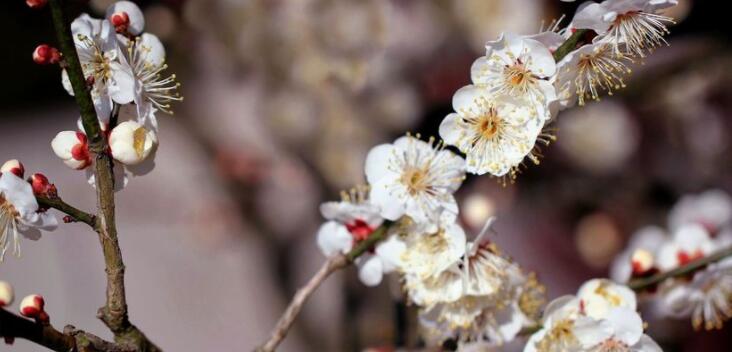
x=123 y=68
x=700 y=225
x=20 y=213
x=467 y=291
x=602 y=317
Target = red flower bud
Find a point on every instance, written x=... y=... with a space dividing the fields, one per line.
x=13 y=166
x=120 y=21
x=32 y=306
x=46 y=54
x=36 y=4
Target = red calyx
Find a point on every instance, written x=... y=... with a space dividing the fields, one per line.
x=685 y=258
x=81 y=151
x=42 y=187
x=359 y=229
x=120 y=21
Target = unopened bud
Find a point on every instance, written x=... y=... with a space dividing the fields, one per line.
x=642 y=261
x=72 y=148
x=6 y=294
x=13 y=166
x=32 y=306
x=126 y=17
x=41 y=186
x=132 y=143
x=46 y=54
x=36 y=4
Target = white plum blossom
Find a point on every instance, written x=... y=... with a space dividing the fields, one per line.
x=519 y=67
x=711 y=209
x=131 y=143
x=385 y=259
x=496 y=132
x=414 y=178
x=632 y=27
x=638 y=259
x=98 y=50
x=621 y=329
x=13 y=166
x=599 y=296
x=144 y=60
x=20 y=214
x=557 y=333
x=707 y=298
x=126 y=17
x=72 y=148
x=688 y=243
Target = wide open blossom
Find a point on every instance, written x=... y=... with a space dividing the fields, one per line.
x=519 y=67
x=496 y=132
x=599 y=296
x=98 y=50
x=20 y=214
x=558 y=327
x=632 y=27
x=414 y=178
x=143 y=59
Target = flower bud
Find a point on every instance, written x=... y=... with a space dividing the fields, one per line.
x=46 y=54
x=131 y=143
x=41 y=186
x=641 y=261
x=126 y=17
x=6 y=294
x=36 y=4
x=13 y=166
x=32 y=306
x=72 y=148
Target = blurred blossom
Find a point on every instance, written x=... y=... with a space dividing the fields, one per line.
x=598 y=240
x=292 y=115
x=600 y=137
x=706 y=136
x=680 y=11
x=397 y=106
x=161 y=21
x=476 y=209
x=483 y=19
x=351 y=26
x=416 y=28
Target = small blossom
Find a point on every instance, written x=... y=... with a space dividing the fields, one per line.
x=414 y=178
x=632 y=27
x=599 y=296
x=689 y=243
x=711 y=209
x=45 y=54
x=6 y=294
x=518 y=67
x=73 y=149
x=131 y=143
x=20 y=214
x=495 y=132
x=646 y=240
x=620 y=330
x=13 y=166
x=558 y=327
x=126 y=17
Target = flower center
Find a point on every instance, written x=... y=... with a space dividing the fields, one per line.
x=559 y=339
x=7 y=209
x=685 y=257
x=518 y=76
x=415 y=179
x=611 y=345
x=488 y=124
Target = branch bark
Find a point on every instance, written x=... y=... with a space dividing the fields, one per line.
x=78 y=215
x=114 y=312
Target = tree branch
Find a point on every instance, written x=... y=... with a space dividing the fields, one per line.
x=58 y=204
x=641 y=284
x=332 y=265
x=114 y=312
x=569 y=45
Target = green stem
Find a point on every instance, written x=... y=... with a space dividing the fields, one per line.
x=644 y=283
x=569 y=45
x=366 y=245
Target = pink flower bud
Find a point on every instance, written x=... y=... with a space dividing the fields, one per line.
x=132 y=143
x=126 y=17
x=6 y=294
x=32 y=306
x=36 y=4
x=41 y=186
x=13 y=166
x=72 y=148
x=120 y=21
x=46 y=54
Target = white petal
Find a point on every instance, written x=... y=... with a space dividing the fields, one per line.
x=646 y=344
x=542 y=62
x=154 y=51
x=334 y=238
x=377 y=162
x=19 y=193
x=591 y=16
x=627 y=325
x=370 y=271
x=590 y=332
x=450 y=130
x=392 y=207
x=122 y=87
x=137 y=20
x=390 y=252
x=465 y=98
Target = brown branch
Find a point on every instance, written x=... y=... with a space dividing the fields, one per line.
x=76 y=214
x=114 y=312
x=641 y=284
x=332 y=265
x=13 y=326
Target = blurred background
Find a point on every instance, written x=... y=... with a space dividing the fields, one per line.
x=283 y=101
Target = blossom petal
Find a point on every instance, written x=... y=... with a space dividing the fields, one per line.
x=450 y=130
x=371 y=271
x=392 y=208
x=377 y=162
x=390 y=252
x=627 y=325
x=334 y=238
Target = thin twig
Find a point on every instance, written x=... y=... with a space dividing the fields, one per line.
x=569 y=45
x=76 y=214
x=332 y=265
x=641 y=284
